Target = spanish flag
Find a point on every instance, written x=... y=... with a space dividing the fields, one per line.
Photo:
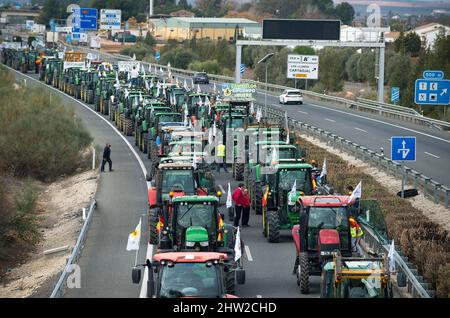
x=160 y=224
x=220 y=236
x=266 y=195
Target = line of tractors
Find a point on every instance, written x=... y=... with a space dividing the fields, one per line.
x=197 y=252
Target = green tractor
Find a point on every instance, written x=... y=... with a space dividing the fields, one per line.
x=279 y=211
x=88 y=79
x=195 y=223
x=104 y=88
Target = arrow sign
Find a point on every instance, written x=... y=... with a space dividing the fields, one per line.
x=444 y=91
x=403 y=148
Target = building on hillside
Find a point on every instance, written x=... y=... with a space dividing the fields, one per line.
x=17 y=16
x=429 y=32
x=183 y=13
x=390 y=37
x=180 y=28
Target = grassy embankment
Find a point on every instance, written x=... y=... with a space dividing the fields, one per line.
x=40 y=140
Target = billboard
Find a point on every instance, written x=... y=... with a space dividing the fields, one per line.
x=239 y=92
x=285 y=29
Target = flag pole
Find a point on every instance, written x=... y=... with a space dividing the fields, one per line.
x=137 y=251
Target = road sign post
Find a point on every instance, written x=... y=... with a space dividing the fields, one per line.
x=395 y=95
x=403 y=149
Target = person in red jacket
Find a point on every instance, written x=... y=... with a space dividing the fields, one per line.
x=245 y=208
x=238 y=198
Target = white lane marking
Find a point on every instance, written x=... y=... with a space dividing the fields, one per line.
x=302 y=112
x=331 y=120
x=382 y=122
x=276 y=105
x=247 y=252
x=430 y=154
x=149 y=253
x=360 y=129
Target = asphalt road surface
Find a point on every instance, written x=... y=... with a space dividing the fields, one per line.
x=122 y=200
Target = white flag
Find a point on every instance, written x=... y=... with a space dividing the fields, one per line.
x=143 y=71
x=252 y=108
x=185 y=115
x=134 y=238
x=391 y=258
x=214 y=128
x=356 y=194
x=168 y=65
x=147 y=87
x=134 y=57
x=210 y=136
x=141 y=99
x=185 y=85
x=161 y=70
x=258 y=115
x=150 y=68
x=324 y=168
x=215 y=89
x=126 y=93
x=293 y=192
x=192 y=83
x=198 y=89
x=237 y=246
x=288 y=139
x=157 y=90
x=229 y=201
x=194 y=162
x=274 y=156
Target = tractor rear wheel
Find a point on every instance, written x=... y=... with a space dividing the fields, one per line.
x=239 y=171
x=145 y=142
x=136 y=129
x=121 y=121
x=90 y=96
x=96 y=103
x=153 y=220
x=128 y=127
x=273 y=224
x=303 y=273
x=230 y=280
x=153 y=152
x=258 y=198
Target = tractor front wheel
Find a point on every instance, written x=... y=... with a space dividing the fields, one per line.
x=145 y=142
x=273 y=225
x=128 y=127
x=239 y=171
x=258 y=198
x=303 y=273
x=153 y=220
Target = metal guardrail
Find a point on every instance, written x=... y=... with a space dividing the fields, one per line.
x=415 y=283
x=430 y=188
x=58 y=290
x=389 y=106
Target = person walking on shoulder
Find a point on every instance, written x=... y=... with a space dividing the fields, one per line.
x=107 y=158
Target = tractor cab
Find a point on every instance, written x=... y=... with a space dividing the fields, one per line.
x=187 y=274
x=278 y=203
x=194 y=101
x=350 y=277
x=323 y=228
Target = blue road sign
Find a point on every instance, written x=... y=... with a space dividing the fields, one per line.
x=432 y=92
x=403 y=148
x=157 y=55
x=85 y=19
x=52 y=25
x=433 y=74
x=395 y=94
x=242 y=68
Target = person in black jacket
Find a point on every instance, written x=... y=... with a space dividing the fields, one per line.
x=107 y=158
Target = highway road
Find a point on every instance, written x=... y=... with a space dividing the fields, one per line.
x=122 y=200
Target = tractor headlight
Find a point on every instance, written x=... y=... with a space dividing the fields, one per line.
x=190 y=244
x=204 y=244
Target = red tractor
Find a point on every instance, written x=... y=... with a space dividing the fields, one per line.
x=176 y=179
x=323 y=229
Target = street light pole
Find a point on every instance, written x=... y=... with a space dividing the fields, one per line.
x=264 y=59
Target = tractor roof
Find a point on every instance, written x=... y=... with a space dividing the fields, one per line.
x=282 y=145
x=293 y=166
x=190 y=257
x=185 y=142
x=327 y=200
x=167 y=113
x=198 y=94
x=175 y=166
x=169 y=128
x=185 y=159
x=271 y=142
x=195 y=199
x=188 y=154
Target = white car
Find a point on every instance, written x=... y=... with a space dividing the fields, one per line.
x=291 y=96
